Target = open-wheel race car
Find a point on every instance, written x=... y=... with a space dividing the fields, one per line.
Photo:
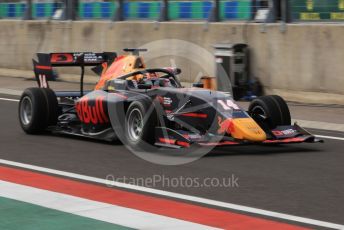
x=140 y=104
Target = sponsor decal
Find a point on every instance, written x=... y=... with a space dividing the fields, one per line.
x=225 y=125
x=61 y=58
x=94 y=114
x=283 y=132
x=165 y=101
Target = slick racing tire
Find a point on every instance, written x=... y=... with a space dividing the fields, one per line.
x=140 y=125
x=36 y=110
x=52 y=112
x=273 y=108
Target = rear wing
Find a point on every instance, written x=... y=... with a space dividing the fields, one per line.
x=43 y=66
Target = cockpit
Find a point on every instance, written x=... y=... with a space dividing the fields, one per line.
x=144 y=79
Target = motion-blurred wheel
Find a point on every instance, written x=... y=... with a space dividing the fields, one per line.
x=37 y=110
x=140 y=124
x=52 y=103
x=273 y=109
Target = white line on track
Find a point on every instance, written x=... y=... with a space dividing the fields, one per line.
x=179 y=196
x=8 y=99
x=330 y=137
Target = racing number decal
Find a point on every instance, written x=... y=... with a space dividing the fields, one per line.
x=43 y=81
x=95 y=114
x=227 y=104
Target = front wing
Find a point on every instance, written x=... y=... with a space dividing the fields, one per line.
x=280 y=135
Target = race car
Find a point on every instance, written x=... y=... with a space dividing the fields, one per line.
x=141 y=105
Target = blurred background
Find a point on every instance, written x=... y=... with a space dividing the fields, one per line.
x=294 y=47
x=135 y=9
x=290 y=10
x=270 y=10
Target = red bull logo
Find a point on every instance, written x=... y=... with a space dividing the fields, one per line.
x=91 y=113
x=225 y=125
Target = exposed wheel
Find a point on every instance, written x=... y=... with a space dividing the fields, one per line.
x=140 y=124
x=273 y=109
x=52 y=103
x=285 y=113
x=33 y=111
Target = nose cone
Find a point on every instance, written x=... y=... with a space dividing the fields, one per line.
x=247 y=129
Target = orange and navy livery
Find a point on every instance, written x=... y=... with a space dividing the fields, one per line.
x=180 y=117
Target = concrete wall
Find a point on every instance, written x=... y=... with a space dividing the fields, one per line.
x=304 y=58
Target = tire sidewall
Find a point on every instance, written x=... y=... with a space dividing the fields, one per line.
x=283 y=107
x=275 y=109
x=147 y=135
x=52 y=106
x=39 y=118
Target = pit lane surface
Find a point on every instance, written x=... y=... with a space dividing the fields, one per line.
x=304 y=180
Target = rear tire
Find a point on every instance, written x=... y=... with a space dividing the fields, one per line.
x=52 y=102
x=37 y=110
x=273 y=108
x=33 y=111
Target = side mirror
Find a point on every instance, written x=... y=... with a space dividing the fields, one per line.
x=198 y=85
x=144 y=86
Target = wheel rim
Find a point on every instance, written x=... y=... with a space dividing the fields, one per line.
x=135 y=124
x=26 y=110
x=259 y=111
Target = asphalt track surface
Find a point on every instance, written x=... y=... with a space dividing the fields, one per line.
x=305 y=180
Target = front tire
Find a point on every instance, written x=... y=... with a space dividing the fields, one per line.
x=140 y=124
x=273 y=109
